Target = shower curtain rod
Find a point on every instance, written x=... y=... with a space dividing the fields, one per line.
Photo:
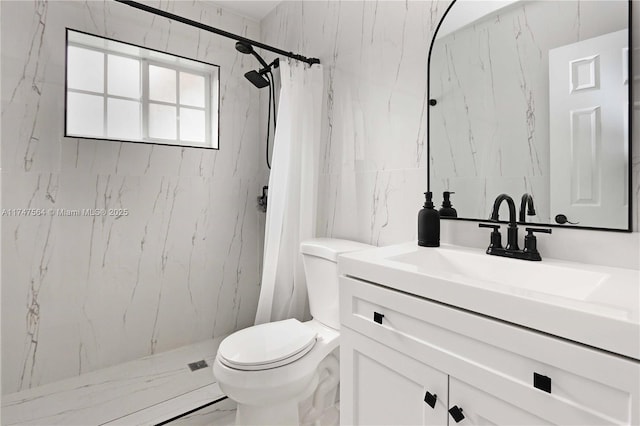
x=218 y=31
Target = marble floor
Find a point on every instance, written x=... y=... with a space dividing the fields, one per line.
x=155 y=390
x=222 y=413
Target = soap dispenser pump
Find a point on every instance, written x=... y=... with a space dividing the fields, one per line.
x=428 y=224
x=447 y=209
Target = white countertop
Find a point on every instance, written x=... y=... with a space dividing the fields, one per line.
x=604 y=314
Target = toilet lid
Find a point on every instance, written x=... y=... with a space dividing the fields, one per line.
x=267 y=345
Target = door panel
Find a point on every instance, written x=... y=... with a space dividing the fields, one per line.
x=589 y=160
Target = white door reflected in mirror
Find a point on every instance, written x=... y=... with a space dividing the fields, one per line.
x=588 y=144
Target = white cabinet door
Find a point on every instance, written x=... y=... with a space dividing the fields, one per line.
x=380 y=386
x=478 y=407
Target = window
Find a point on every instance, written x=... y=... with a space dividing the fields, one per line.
x=119 y=91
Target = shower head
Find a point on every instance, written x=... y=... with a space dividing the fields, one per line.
x=257 y=79
x=244 y=47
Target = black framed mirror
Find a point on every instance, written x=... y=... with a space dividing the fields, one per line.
x=533 y=97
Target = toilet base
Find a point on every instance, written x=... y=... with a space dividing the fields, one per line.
x=285 y=414
x=282 y=414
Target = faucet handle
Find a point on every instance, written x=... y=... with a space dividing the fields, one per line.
x=496 y=238
x=530 y=243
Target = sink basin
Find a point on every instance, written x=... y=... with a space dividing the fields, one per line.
x=591 y=304
x=540 y=277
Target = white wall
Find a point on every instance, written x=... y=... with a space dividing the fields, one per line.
x=80 y=293
x=374 y=155
x=472 y=11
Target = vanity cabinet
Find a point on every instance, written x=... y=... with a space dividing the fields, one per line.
x=395 y=348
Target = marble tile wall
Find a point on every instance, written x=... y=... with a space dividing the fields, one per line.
x=373 y=160
x=82 y=293
x=374 y=164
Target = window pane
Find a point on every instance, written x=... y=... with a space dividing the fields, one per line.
x=192 y=125
x=191 y=89
x=85 y=69
x=85 y=114
x=123 y=76
x=123 y=119
x=162 y=121
x=125 y=92
x=162 y=84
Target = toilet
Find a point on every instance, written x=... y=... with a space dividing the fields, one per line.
x=268 y=369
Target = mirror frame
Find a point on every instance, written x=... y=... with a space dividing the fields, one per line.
x=432 y=102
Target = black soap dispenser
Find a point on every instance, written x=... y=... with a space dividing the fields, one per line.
x=428 y=224
x=447 y=210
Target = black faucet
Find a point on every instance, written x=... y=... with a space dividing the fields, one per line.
x=530 y=251
x=526 y=201
x=512 y=231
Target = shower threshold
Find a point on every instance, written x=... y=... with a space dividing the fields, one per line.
x=153 y=390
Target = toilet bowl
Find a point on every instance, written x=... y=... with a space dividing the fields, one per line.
x=268 y=369
x=279 y=386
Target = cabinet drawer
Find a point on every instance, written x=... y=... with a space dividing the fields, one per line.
x=602 y=385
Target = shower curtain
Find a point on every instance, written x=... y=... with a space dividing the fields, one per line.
x=291 y=212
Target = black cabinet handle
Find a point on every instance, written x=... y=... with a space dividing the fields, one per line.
x=430 y=399
x=377 y=317
x=542 y=382
x=456 y=413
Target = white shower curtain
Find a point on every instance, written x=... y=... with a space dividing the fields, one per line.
x=291 y=212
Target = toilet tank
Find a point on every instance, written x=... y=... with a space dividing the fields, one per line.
x=320 y=257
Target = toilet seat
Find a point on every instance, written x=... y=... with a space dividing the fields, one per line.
x=267 y=346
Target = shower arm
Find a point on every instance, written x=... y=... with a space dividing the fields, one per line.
x=262 y=62
x=218 y=31
x=267 y=67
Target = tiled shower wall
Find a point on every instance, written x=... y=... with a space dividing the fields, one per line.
x=373 y=152
x=81 y=293
x=374 y=165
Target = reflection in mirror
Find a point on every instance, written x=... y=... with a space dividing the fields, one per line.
x=533 y=98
